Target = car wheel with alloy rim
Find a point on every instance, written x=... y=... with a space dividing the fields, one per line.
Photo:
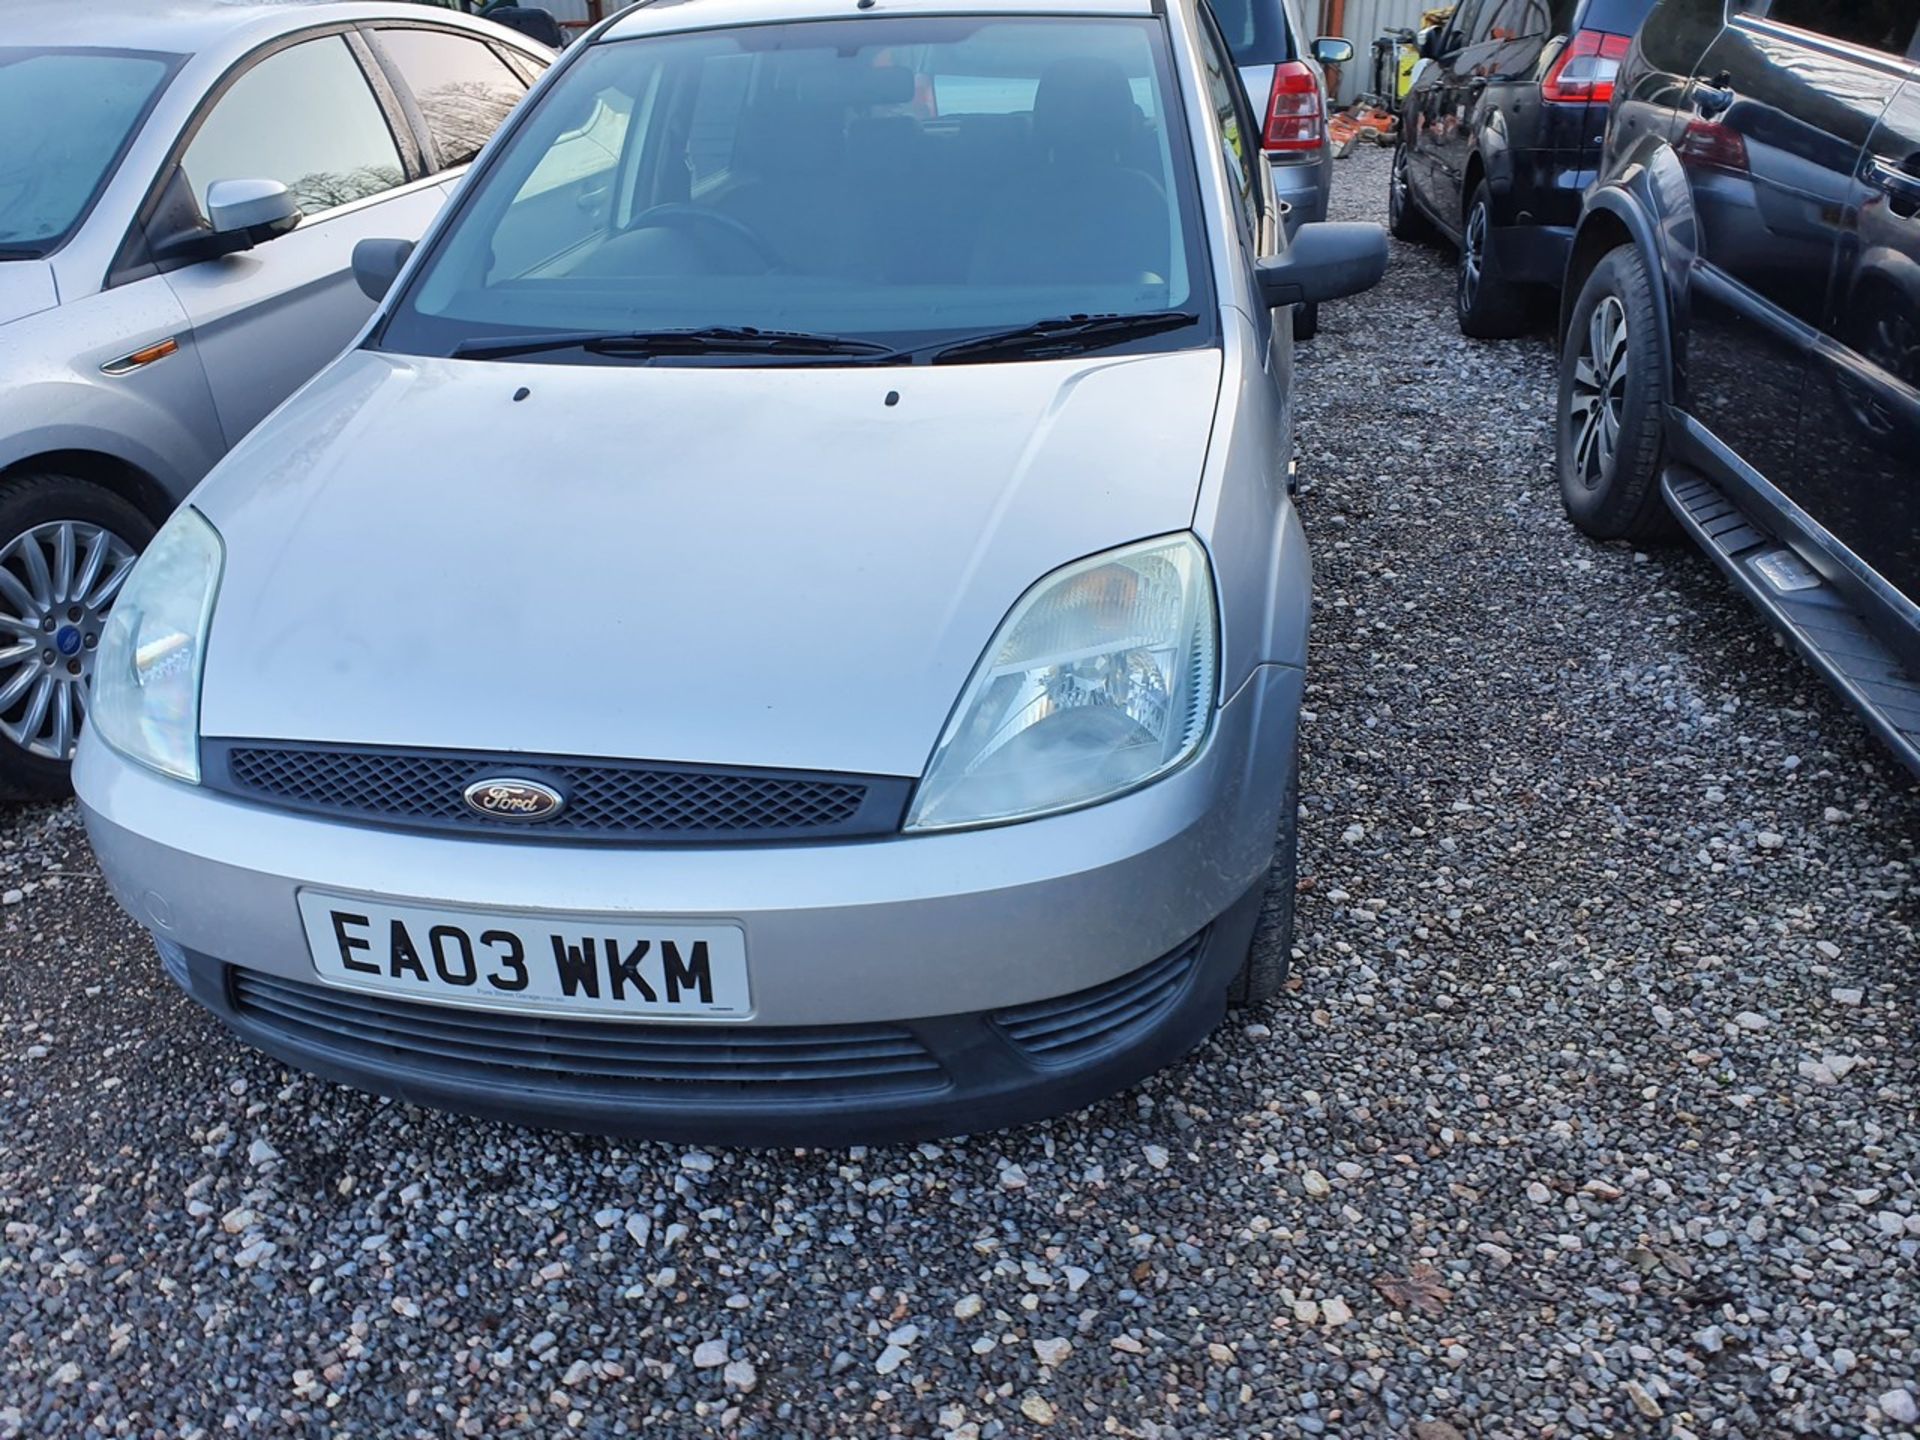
x=1608 y=419
x=66 y=548
x=1489 y=306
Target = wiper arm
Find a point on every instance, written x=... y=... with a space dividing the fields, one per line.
x=1063 y=335
x=642 y=344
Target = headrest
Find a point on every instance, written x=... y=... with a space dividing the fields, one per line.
x=1083 y=106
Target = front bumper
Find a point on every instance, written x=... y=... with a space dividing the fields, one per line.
x=949 y=938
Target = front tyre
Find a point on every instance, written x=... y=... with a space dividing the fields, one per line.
x=1607 y=421
x=1306 y=321
x=1489 y=306
x=66 y=547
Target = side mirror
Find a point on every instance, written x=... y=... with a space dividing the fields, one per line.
x=245 y=213
x=1332 y=50
x=1430 y=42
x=1326 y=260
x=377 y=264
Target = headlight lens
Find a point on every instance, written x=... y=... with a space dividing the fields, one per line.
x=1101 y=679
x=146 y=684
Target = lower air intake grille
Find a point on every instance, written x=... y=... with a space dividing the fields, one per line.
x=568 y=1055
x=1075 y=1026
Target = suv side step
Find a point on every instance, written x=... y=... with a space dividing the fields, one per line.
x=1805 y=608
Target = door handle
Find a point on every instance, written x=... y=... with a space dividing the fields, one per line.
x=1899 y=183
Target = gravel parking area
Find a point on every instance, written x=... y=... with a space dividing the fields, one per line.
x=1591 y=1111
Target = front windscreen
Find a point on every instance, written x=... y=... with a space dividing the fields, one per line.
x=66 y=115
x=893 y=179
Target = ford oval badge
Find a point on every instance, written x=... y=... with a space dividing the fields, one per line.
x=504 y=797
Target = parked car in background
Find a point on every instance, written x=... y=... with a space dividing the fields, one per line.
x=181 y=189
x=1287 y=86
x=1500 y=137
x=788 y=628
x=1742 y=325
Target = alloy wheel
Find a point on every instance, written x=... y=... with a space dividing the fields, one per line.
x=1473 y=255
x=1599 y=392
x=57 y=583
x=1397 y=186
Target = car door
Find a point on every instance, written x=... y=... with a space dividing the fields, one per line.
x=1443 y=134
x=314 y=115
x=1774 y=121
x=1859 y=458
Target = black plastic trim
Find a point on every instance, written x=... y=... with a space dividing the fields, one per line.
x=980 y=1080
x=881 y=808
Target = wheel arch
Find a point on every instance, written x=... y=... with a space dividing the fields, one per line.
x=110 y=472
x=1613 y=218
x=1470 y=179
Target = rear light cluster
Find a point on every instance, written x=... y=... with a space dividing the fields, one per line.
x=1296 y=115
x=1709 y=145
x=1586 y=69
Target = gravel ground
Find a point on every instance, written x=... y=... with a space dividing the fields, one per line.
x=1591 y=1111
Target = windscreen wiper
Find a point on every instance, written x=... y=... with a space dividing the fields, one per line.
x=644 y=344
x=1063 y=335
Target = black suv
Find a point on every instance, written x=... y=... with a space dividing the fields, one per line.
x=1499 y=138
x=1741 y=352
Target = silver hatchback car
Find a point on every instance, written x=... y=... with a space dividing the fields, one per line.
x=790 y=626
x=151 y=150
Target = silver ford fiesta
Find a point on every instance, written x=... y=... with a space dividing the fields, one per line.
x=789 y=625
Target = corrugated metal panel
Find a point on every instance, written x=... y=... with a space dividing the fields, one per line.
x=1365 y=21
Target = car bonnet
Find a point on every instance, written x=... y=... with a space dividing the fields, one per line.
x=789 y=566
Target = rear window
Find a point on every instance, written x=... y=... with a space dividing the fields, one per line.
x=1256 y=30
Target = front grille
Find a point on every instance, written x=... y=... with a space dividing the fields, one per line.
x=560 y=1054
x=633 y=801
x=1074 y=1027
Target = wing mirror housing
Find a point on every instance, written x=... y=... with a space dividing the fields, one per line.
x=1326 y=260
x=244 y=213
x=377 y=264
x=1332 y=50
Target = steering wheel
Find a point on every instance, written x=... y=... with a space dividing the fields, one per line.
x=679 y=215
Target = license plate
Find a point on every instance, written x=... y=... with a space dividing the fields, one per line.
x=530 y=964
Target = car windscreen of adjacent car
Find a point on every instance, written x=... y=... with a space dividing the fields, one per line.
x=883 y=182
x=66 y=114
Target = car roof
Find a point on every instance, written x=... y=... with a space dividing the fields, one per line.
x=654 y=16
x=187 y=27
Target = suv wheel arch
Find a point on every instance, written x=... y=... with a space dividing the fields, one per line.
x=1611 y=220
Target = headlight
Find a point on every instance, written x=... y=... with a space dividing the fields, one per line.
x=146 y=682
x=1100 y=680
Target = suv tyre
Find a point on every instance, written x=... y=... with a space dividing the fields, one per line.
x=1607 y=420
x=1489 y=306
